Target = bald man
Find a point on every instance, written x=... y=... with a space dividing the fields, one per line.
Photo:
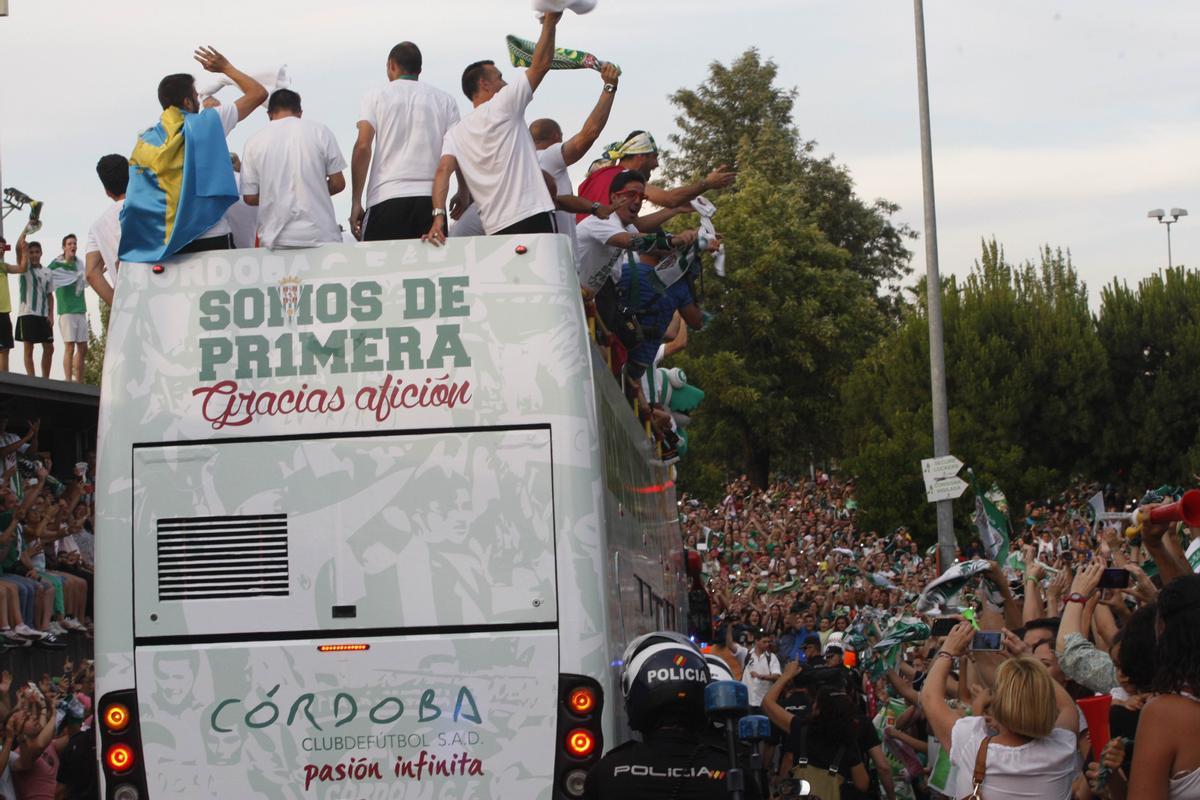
x=555 y=155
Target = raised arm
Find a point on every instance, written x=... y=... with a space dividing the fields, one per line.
x=543 y=52
x=719 y=178
x=1170 y=566
x=933 y=694
x=22 y=253
x=1012 y=614
x=577 y=146
x=253 y=92
x=770 y=704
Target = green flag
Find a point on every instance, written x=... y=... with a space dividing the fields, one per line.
x=991 y=522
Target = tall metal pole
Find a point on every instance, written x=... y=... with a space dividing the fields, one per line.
x=933 y=292
x=1169 y=264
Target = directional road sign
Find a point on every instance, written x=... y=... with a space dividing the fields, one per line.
x=945 y=489
x=934 y=469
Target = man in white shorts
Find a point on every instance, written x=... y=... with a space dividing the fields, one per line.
x=68 y=277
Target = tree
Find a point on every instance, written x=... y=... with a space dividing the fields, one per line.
x=741 y=100
x=1028 y=385
x=1152 y=340
x=93 y=366
x=798 y=307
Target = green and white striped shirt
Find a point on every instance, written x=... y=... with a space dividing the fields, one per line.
x=36 y=288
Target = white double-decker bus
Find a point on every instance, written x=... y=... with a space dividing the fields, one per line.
x=373 y=521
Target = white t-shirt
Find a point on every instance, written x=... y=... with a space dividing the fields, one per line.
x=552 y=162
x=595 y=259
x=104 y=237
x=242 y=219
x=1043 y=768
x=410 y=119
x=496 y=155
x=286 y=164
x=764 y=664
x=229 y=120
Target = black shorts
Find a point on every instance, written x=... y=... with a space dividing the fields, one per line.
x=538 y=223
x=222 y=242
x=398 y=218
x=6 y=340
x=34 y=329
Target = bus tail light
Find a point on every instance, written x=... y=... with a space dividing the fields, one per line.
x=581 y=743
x=116 y=718
x=120 y=758
x=581 y=701
x=122 y=765
x=580 y=736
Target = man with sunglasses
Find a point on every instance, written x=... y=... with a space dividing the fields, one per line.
x=610 y=268
x=605 y=243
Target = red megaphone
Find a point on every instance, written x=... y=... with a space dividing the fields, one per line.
x=1185 y=509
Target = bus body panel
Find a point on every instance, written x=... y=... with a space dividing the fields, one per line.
x=382 y=532
x=277 y=719
x=305 y=353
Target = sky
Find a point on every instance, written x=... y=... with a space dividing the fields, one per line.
x=1054 y=123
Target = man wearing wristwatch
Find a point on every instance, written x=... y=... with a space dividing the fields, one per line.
x=491 y=149
x=555 y=155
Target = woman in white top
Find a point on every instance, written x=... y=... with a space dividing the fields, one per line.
x=1030 y=719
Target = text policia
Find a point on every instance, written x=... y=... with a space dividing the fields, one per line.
x=268 y=341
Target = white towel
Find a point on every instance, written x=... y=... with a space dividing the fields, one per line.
x=271 y=79
x=578 y=6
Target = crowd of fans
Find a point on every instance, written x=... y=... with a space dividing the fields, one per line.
x=46 y=567
x=1019 y=671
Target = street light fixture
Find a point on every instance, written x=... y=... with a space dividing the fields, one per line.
x=1159 y=214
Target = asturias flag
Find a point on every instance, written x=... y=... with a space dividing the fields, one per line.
x=180 y=185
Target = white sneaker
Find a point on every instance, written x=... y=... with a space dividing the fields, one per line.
x=56 y=629
x=9 y=633
x=29 y=632
x=72 y=624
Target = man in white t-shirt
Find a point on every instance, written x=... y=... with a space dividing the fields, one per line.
x=180 y=90
x=289 y=170
x=492 y=150
x=406 y=122
x=555 y=155
x=762 y=669
x=104 y=237
x=603 y=245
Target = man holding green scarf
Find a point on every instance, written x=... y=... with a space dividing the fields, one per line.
x=67 y=277
x=180 y=176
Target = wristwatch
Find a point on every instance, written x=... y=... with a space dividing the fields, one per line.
x=595 y=209
x=439 y=212
x=610 y=87
x=1076 y=597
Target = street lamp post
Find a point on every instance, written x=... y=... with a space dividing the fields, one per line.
x=1158 y=214
x=933 y=294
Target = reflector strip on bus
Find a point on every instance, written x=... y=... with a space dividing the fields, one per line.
x=343 y=648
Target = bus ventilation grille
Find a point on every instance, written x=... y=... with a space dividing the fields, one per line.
x=215 y=557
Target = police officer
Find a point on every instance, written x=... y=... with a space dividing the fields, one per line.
x=662 y=679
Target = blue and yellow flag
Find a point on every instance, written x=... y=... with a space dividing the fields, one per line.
x=180 y=185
